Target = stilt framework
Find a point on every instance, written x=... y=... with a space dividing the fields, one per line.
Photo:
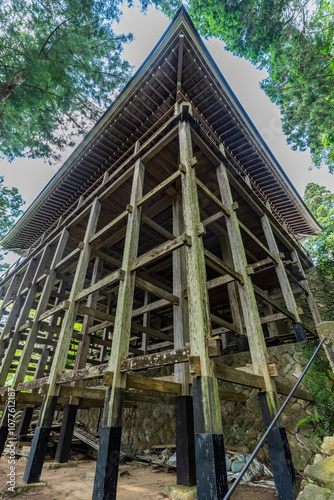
x=170 y=257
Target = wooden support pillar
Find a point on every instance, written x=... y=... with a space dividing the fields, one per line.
x=180 y=311
x=88 y=320
x=283 y=279
x=39 y=444
x=41 y=307
x=66 y=433
x=105 y=484
x=184 y=418
x=25 y=423
x=247 y=297
x=309 y=297
x=232 y=288
x=70 y=410
x=272 y=327
x=106 y=330
x=17 y=305
x=209 y=445
x=146 y=323
x=22 y=318
x=41 y=365
x=8 y=294
x=32 y=336
x=253 y=326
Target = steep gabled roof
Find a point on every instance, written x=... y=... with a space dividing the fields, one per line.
x=147 y=97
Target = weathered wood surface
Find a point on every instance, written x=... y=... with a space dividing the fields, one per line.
x=198 y=298
x=145 y=384
x=246 y=292
x=161 y=251
x=111 y=279
x=233 y=375
x=280 y=269
x=156 y=290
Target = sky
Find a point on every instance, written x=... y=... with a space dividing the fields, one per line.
x=30 y=176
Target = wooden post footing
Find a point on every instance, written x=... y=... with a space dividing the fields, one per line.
x=40 y=440
x=37 y=454
x=242 y=343
x=185 y=442
x=66 y=433
x=3 y=437
x=25 y=423
x=211 y=474
x=281 y=464
x=280 y=456
x=106 y=475
x=210 y=466
x=299 y=332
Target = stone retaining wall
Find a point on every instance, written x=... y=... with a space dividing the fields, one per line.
x=148 y=425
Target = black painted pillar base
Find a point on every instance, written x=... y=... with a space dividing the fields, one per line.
x=25 y=423
x=210 y=467
x=66 y=433
x=280 y=456
x=211 y=475
x=299 y=332
x=106 y=475
x=37 y=454
x=3 y=438
x=242 y=343
x=40 y=440
x=185 y=441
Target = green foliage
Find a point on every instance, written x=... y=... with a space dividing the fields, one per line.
x=10 y=208
x=319 y=424
x=294 y=42
x=320 y=201
x=60 y=63
x=323 y=396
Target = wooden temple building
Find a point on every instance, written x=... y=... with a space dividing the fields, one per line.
x=160 y=239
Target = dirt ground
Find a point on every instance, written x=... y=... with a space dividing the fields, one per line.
x=135 y=483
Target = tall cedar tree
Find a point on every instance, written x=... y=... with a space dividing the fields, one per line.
x=321 y=203
x=60 y=64
x=10 y=209
x=294 y=41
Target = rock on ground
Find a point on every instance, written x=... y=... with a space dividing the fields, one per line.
x=314 y=492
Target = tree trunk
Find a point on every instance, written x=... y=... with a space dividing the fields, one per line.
x=8 y=88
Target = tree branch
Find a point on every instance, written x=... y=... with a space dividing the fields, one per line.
x=52 y=33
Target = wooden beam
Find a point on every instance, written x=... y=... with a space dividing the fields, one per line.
x=225 y=324
x=220 y=281
x=111 y=279
x=111 y=224
x=218 y=265
x=260 y=244
x=65 y=304
x=212 y=197
x=156 y=290
x=83 y=310
x=152 y=332
x=157 y=227
x=153 y=306
x=163 y=185
x=145 y=384
x=160 y=251
x=272 y=317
